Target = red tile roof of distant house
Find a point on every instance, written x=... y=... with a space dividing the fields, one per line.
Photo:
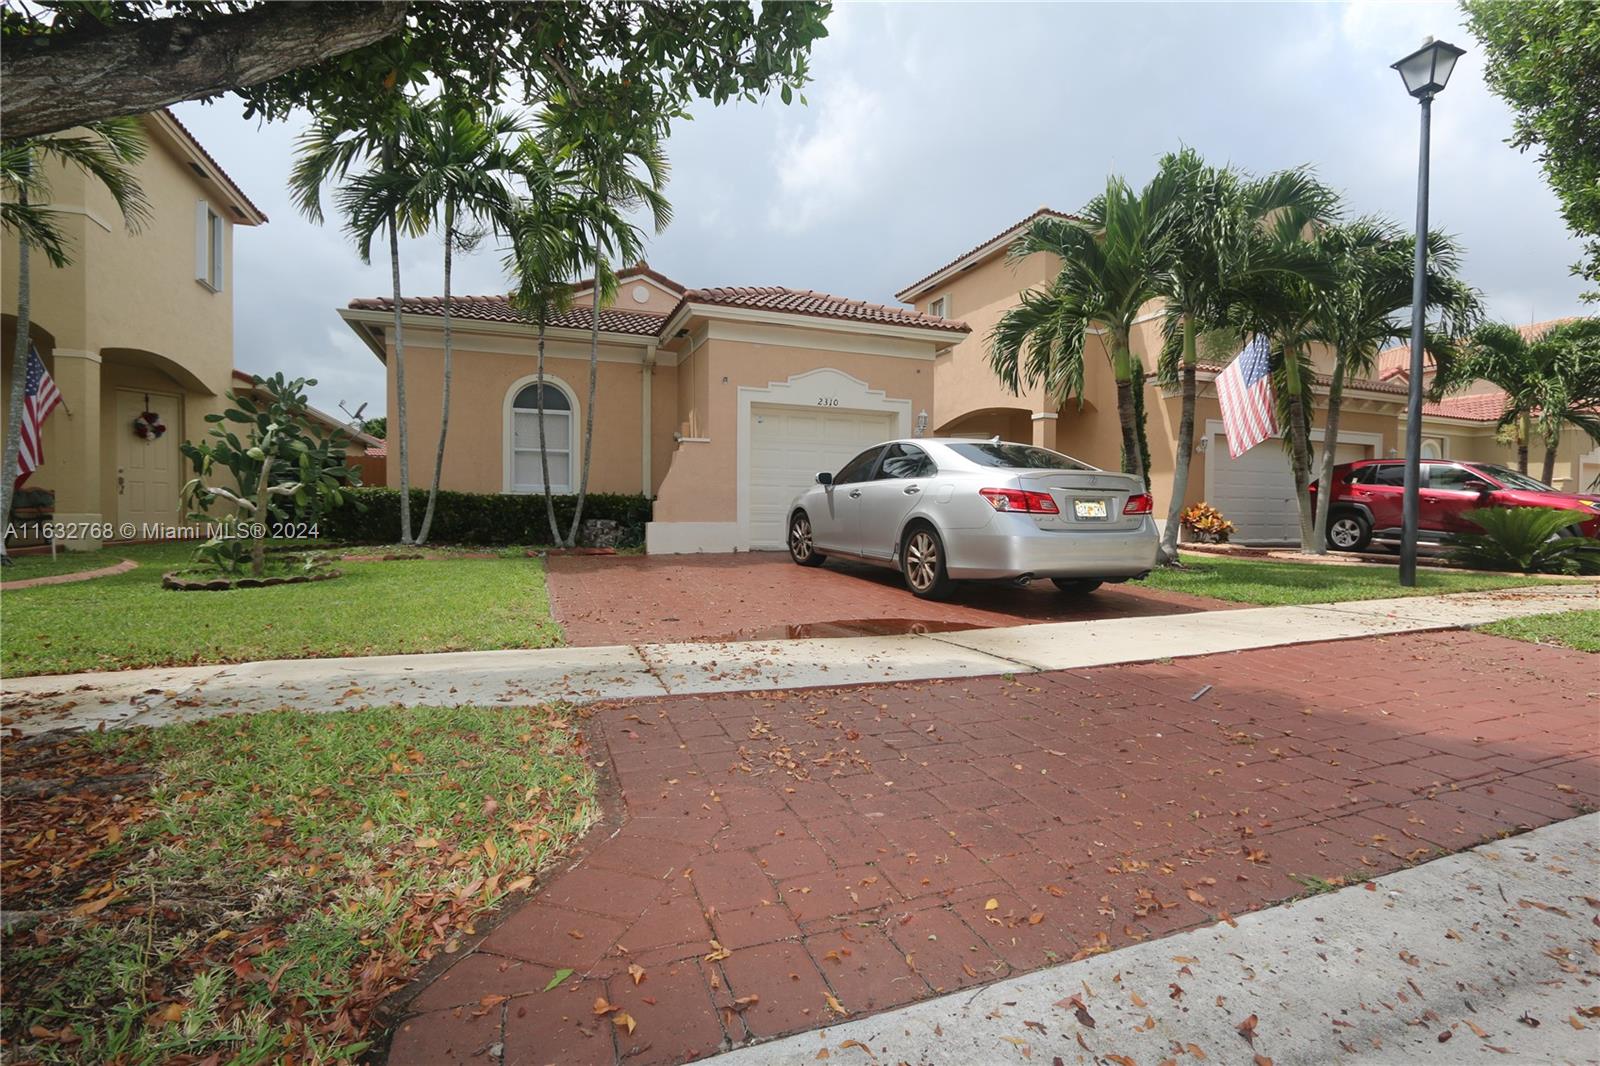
x=992 y=246
x=817 y=304
x=345 y=426
x=1480 y=407
x=639 y=269
x=1396 y=361
x=1366 y=384
x=498 y=308
x=648 y=324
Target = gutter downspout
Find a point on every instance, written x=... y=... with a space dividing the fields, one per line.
x=649 y=370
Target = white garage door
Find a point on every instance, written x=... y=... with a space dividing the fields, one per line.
x=1256 y=491
x=788 y=445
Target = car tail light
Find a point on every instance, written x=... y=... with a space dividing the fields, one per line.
x=1020 y=500
x=1140 y=503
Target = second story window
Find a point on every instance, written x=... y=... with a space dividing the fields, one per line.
x=208 y=260
x=939 y=308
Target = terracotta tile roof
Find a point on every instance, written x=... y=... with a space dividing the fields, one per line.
x=1003 y=235
x=1397 y=360
x=366 y=440
x=499 y=309
x=816 y=304
x=641 y=268
x=197 y=146
x=1482 y=407
x=1365 y=384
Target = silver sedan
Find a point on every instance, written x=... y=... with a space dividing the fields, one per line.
x=942 y=510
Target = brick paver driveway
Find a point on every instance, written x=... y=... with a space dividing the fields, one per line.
x=785 y=860
x=762 y=595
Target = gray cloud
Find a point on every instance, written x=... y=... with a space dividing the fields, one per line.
x=930 y=127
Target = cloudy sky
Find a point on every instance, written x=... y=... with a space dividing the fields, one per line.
x=930 y=127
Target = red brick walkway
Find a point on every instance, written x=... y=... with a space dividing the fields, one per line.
x=784 y=859
x=669 y=598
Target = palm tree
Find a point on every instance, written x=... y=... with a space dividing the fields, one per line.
x=616 y=153
x=544 y=256
x=1114 y=259
x=1548 y=381
x=1283 y=307
x=1216 y=243
x=326 y=152
x=107 y=152
x=1569 y=391
x=1373 y=265
x=452 y=168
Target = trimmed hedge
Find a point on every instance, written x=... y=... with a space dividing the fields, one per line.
x=477 y=517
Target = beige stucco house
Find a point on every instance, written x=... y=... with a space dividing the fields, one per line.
x=138 y=322
x=723 y=403
x=1256 y=491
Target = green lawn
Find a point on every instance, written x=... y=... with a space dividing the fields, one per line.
x=26 y=566
x=129 y=620
x=1570 y=629
x=1272 y=582
x=251 y=887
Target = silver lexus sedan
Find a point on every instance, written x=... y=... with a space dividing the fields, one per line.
x=943 y=510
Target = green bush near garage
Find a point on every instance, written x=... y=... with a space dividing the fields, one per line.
x=488 y=518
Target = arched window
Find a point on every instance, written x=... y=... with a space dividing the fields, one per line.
x=527 y=473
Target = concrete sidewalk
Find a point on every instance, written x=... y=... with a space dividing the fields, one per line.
x=1482 y=955
x=154 y=697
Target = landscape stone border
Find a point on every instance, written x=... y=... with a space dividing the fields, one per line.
x=174 y=579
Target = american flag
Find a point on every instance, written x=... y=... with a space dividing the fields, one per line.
x=41 y=398
x=1244 y=391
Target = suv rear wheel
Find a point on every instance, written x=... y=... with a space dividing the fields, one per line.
x=1349 y=531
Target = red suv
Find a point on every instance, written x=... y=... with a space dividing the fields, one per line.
x=1367 y=500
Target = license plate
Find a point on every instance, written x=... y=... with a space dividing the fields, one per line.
x=1089 y=508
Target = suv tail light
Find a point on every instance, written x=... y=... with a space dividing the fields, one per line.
x=1140 y=503
x=1020 y=500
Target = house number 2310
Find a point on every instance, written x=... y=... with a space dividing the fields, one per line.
x=827 y=401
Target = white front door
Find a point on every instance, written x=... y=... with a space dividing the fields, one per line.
x=149 y=472
x=789 y=446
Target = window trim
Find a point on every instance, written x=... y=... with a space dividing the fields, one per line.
x=508 y=435
x=210 y=248
x=942 y=299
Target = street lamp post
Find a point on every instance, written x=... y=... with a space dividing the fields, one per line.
x=1425 y=73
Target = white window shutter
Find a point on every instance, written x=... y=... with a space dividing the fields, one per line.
x=202 y=241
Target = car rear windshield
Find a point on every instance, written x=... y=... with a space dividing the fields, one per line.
x=1513 y=480
x=1017 y=456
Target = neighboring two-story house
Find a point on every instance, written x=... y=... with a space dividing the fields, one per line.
x=139 y=322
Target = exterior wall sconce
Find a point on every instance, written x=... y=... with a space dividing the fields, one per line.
x=922 y=424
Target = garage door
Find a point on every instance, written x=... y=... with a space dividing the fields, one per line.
x=788 y=445
x=1256 y=490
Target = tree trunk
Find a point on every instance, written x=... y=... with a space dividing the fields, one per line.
x=1549 y=461
x=1181 y=459
x=19 y=376
x=263 y=516
x=1299 y=430
x=449 y=358
x=1330 y=446
x=1122 y=369
x=1524 y=432
x=56 y=83
x=588 y=415
x=400 y=382
x=544 y=458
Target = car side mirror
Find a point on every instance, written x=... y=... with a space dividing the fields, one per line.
x=824 y=478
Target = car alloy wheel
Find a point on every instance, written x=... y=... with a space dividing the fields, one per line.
x=1345 y=532
x=922 y=560
x=800 y=546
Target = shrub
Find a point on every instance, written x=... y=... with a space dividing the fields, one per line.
x=372 y=516
x=1528 y=540
x=1205 y=524
x=281 y=470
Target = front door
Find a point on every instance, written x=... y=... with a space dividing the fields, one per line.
x=149 y=471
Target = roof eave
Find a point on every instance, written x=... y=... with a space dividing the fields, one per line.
x=199 y=160
x=946 y=336
x=974 y=258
